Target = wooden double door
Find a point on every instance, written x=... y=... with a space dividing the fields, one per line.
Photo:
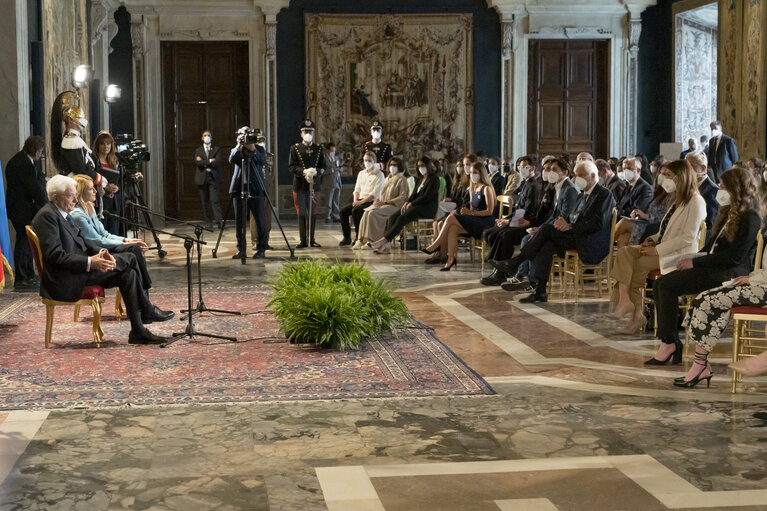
x=568 y=89
x=205 y=87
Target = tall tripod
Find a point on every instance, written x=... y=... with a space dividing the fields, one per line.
x=134 y=196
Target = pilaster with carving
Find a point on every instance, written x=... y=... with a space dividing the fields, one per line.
x=137 y=29
x=507 y=86
x=634 y=31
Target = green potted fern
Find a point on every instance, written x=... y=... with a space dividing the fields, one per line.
x=335 y=306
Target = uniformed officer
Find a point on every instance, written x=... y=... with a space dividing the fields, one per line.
x=381 y=149
x=307 y=163
x=71 y=153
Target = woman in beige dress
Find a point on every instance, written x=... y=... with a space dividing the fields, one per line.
x=393 y=196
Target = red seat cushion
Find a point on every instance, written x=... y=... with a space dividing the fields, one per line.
x=654 y=274
x=91 y=292
x=749 y=309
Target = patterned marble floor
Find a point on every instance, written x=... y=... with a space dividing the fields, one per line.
x=578 y=423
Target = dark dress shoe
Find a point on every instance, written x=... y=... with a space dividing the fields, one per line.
x=761 y=415
x=538 y=296
x=494 y=279
x=501 y=266
x=269 y=247
x=26 y=285
x=345 y=242
x=155 y=314
x=436 y=259
x=301 y=245
x=146 y=337
x=259 y=255
x=316 y=245
x=238 y=255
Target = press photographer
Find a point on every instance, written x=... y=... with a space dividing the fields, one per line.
x=250 y=156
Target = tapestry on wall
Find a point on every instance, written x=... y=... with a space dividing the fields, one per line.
x=411 y=72
x=696 y=90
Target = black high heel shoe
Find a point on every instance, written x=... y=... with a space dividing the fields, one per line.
x=430 y=252
x=697 y=379
x=674 y=358
x=447 y=268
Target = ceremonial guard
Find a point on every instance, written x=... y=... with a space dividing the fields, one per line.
x=381 y=149
x=307 y=163
x=71 y=154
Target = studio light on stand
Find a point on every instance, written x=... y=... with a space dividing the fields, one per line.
x=112 y=93
x=81 y=76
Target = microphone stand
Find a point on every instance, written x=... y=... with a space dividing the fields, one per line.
x=198 y=228
x=189 y=242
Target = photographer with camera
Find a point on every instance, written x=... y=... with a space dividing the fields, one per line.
x=208 y=158
x=249 y=159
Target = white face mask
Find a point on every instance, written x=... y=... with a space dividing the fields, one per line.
x=467 y=169
x=376 y=134
x=524 y=172
x=764 y=175
x=422 y=170
x=545 y=176
x=308 y=137
x=715 y=133
x=369 y=165
x=723 y=197
x=629 y=175
x=601 y=181
x=580 y=183
x=333 y=154
x=262 y=144
x=669 y=185
x=458 y=169
x=83 y=122
x=206 y=139
x=661 y=179
x=393 y=170
x=492 y=168
x=553 y=177
x=475 y=178
x=621 y=176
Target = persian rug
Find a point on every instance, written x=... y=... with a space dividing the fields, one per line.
x=261 y=366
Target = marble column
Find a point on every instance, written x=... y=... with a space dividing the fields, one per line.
x=507 y=88
x=630 y=127
x=270 y=88
x=14 y=80
x=103 y=29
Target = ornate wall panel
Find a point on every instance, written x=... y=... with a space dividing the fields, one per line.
x=742 y=91
x=695 y=79
x=65 y=40
x=413 y=72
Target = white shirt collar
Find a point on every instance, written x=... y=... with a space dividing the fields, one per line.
x=63 y=213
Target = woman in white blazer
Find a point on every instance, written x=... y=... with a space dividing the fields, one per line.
x=677 y=237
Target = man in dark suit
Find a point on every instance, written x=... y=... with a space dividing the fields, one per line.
x=587 y=229
x=722 y=152
x=609 y=180
x=24 y=198
x=638 y=193
x=706 y=187
x=207 y=177
x=70 y=262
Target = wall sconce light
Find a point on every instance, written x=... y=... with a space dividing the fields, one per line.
x=112 y=93
x=81 y=76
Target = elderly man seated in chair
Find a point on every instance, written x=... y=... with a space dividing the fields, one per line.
x=70 y=262
x=587 y=230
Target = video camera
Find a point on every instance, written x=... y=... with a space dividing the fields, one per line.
x=248 y=135
x=131 y=152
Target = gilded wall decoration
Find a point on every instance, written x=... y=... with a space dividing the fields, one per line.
x=742 y=90
x=65 y=45
x=412 y=72
x=695 y=78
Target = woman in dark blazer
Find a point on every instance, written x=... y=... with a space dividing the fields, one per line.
x=727 y=254
x=422 y=203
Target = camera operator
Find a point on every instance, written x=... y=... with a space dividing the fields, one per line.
x=249 y=160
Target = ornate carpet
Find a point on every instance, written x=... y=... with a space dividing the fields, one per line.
x=261 y=366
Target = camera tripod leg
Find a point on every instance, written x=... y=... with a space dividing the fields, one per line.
x=221 y=230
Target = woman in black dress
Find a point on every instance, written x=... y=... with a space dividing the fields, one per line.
x=471 y=221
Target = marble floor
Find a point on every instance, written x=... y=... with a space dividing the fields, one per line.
x=578 y=422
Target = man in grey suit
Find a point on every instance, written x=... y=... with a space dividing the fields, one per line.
x=722 y=152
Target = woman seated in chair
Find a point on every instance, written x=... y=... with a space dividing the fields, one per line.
x=85 y=218
x=708 y=317
x=471 y=221
x=422 y=203
x=727 y=254
x=678 y=236
x=393 y=196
